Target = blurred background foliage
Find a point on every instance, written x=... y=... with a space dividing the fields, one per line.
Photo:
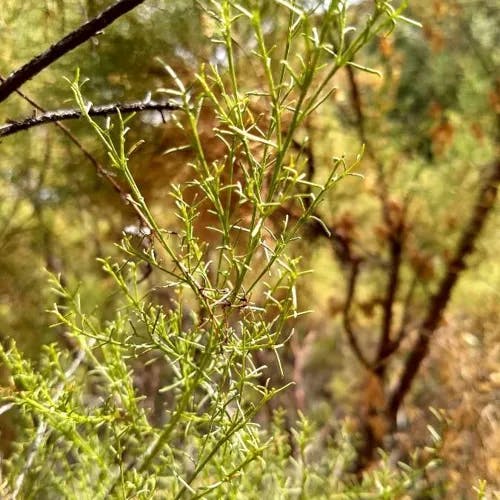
x=432 y=122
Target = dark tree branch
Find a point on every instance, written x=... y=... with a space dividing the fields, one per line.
x=74 y=114
x=396 y=253
x=65 y=45
x=483 y=206
x=346 y=316
x=357 y=104
x=67 y=132
x=98 y=166
x=395 y=222
x=406 y=317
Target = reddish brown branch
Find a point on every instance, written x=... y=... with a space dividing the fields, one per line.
x=385 y=347
x=405 y=319
x=394 y=220
x=346 y=316
x=65 y=45
x=481 y=209
x=356 y=103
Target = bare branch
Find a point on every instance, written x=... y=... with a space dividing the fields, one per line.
x=394 y=220
x=98 y=166
x=67 y=132
x=351 y=336
x=405 y=319
x=357 y=104
x=385 y=346
x=75 y=114
x=65 y=45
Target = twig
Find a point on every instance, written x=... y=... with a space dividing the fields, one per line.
x=63 y=128
x=99 y=168
x=405 y=319
x=396 y=232
x=75 y=114
x=65 y=45
x=357 y=104
x=346 y=316
x=393 y=345
x=396 y=239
